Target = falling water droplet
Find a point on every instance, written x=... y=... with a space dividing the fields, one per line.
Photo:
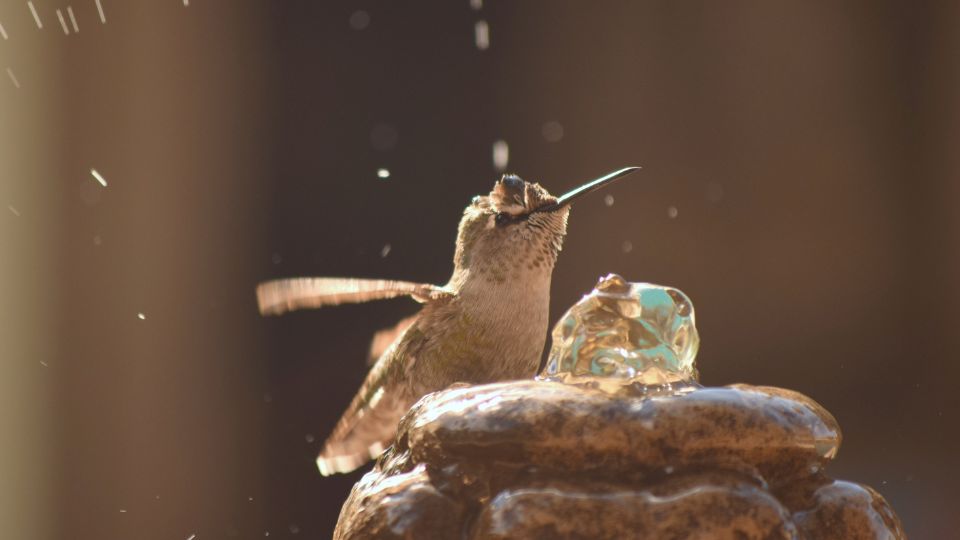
x=141 y=316
x=608 y=200
x=63 y=23
x=383 y=173
x=73 y=20
x=99 y=177
x=501 y=155
x=672 y=212
x=385 y=251
x=481 y=35
x=3 y=32
x=36 y=17
x=476 y=5
x=13 y=78
x=103 y=19
x=14 y=210
x=359 y=20
x=627 y=246
x=552 y=131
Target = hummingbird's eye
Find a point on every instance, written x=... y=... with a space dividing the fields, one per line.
x=512 y=182
x=502 y=218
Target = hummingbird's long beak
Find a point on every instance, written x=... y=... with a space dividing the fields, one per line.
x=589 y=187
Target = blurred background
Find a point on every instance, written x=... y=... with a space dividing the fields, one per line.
x=800 y=183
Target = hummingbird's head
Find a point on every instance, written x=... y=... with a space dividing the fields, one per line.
x=517 y=228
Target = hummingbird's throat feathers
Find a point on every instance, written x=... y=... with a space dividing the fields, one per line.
x=503 y=238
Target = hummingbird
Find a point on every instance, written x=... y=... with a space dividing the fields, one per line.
x=487 y=324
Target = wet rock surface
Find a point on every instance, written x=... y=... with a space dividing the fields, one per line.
x=541 y=459
x=618 y=440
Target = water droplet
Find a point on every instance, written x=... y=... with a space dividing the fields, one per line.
x=276 y=258
x=309 y=438
x=73 y=20
x=672 y=212
x=103 y=19
x=97 y=240
x=481 y=35
x=294 y=528
x=476 y=5
x=383 y=173
x=36 y=17
x=552 y=131
x=141 y=316
x=63 y=23
x=14 y=210
x=99 y=177
x=627 y=246
x=385 y=251
x=359 y=20
x=501 y=155
x=608 y=200
x=13 y=78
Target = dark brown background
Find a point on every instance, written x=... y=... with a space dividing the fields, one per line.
x=809 y=148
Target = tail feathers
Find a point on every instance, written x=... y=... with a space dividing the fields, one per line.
x=363 y=432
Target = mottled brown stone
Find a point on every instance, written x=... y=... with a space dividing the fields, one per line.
x=730 y=509
x=774 y=431
x=848 y=511
x=400 y=506
x=537 y=459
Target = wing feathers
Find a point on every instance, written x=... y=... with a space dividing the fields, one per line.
x=282 y=295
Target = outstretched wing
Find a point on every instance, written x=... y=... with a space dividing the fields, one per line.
x=282 y=295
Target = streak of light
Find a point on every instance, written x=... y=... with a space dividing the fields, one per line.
x=14 y=210
x=63 y=23
x=481 y=35
x=44 y=364
x=99 y=177
x=73 y=20
x=192 y=536
x=13 y=78
x=100 y=11
x=501 y=155
x=3 y=32
x=385 y=251
x=35 y=16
